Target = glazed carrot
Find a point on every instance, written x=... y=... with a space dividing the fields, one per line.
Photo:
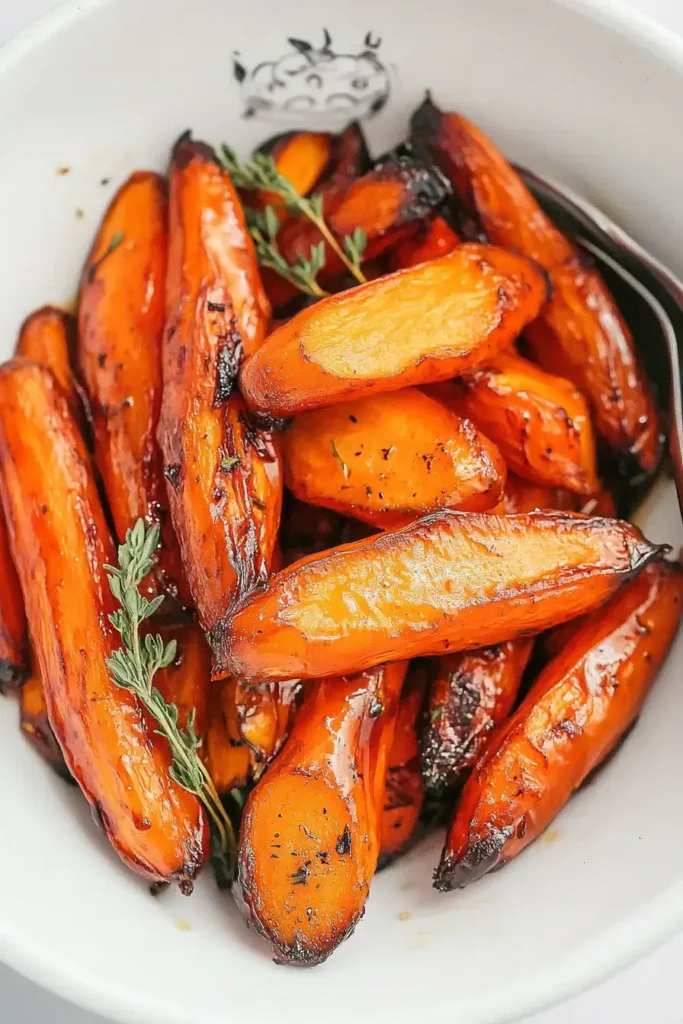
x=471 y=693
x=13 y=636
x=35 y=725
x=225 y=753
x=186 y=681
x=540 y=423
x=223 y=475
x=576 y=712
x=310 y=833
x=580 y=334
x=390 y=458
x=121 y=323
x=61 y=544
x=450 y=581
x=427 y=323
x=433 y=239
x=48 y=337
x=404 y=793
x=301 y=157
x=524 y=496
x=264 y=715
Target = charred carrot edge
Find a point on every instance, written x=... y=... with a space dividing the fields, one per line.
x=574 y=715
x=390 y=458
x=61 y=544
x=580 y=334
x=310 y=832
x=223 y=474
x=407 y=328
x=515 y=576
x=404 y=791
x=471 y=693
x=121 y=323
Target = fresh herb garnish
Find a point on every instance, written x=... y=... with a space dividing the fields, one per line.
x=134 y=665
x=112 y=247
x=261 y=173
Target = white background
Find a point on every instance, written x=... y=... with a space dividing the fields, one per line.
x=648 y=991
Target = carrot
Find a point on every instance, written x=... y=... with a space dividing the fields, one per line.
x=61 y=544
x=301 y=157
x=573 y=716
x=390 y=458
x=404 y=794
x=225 y=754
x=471 y=693
x=450 y=581
x=48 y=337
x=412 y=327
x=13 y=635
x=433 y=239
x=580 y=333
x=223 y=475
x=310 y=833
x=264 y=715
x=36 y=726
x=186 y=681
x=540 y=423
x=121 y=323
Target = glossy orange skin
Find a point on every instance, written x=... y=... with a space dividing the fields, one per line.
x=471 y=693
x=310 y=834
x=61 y=543
x=225 y=753
x=36 y=726
x=404 y=791
x=427 y=323
x=433 y=239
x=225 y=512
x=13 y=634
x=390 y=458
x=491 y=578
x=573 y=716
x=120 y=332
x=540 y=423
x=580 y=334
x=187 y=680
x=47 y=337
x=301 y=157
x=265 y=715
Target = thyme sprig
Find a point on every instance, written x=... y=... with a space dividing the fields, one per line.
x=260 y=173
x=134 y=665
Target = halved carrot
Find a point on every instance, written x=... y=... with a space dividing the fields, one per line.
x=264 y=715
x=404 y=793
x=35 y=724
x=573 y=716
x=540 y=423
x=48 y=337
x=580 y=334
x=434 y=238
x=390 y=458
x=61 y=544
x=310 y=833
x=223 y=475
x=13 y=635
x=450 y=581
x=301 y=157
x=471 y=693
x=121 y=323
x=428 y=323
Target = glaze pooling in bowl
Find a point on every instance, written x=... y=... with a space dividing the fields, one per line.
x=588 y=96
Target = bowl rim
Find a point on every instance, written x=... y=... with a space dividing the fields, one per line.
x=593 y=961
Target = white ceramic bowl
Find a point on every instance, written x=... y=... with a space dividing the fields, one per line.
x=592 y=95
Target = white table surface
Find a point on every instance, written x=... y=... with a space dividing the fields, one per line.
x=648 y=991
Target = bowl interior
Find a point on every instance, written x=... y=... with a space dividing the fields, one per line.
x=102 y=88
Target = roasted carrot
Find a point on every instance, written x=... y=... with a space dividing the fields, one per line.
x=573 y=716
x=225 y=753
x=61 y=543
x=540 y=423
x=186 y=681
x=471 y=693
x=36 y=726
x=404 y=792
x=525 y=496
x=580 y=334
x=390 y=458
x=121 y=323
x=48 y=337
x=310 y=833
x=419 y=325
x=223 y=475
x=434 y=238
x=13 y=635
x=450 y=581
x=301 y=158
x=265 y=714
